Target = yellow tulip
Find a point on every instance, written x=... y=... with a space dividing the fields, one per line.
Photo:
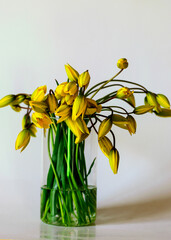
x=80 y=123
x=52 y=103
x=114 y=160
x=123 y=93
x=81 y=138
x=18 y=99
x=79 y=107
x=163 y=100
x=63 y=110
x=39 y=94
x=40 y=107
x=122 y=63
x=73 y=127
x=131 y=100
x=104 y=127
x=84 y=79
x=105 y=145
x=5 y=101
x=41 y=120
x=22 y=140
x=152 y=101
x=119 y=119
x=92 y=107
x=26 y=121
x=71 y=73
x=32 y=129
x=71 y=88
x=59 y=92
x=16 y=108
x=69 y=99
x=132 y=125
x=165 y=112
x=143 y=109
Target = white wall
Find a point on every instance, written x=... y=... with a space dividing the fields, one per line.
x=37 y=38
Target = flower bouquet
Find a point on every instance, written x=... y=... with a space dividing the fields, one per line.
x=70 y=113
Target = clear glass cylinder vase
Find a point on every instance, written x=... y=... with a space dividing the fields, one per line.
x=68 y=192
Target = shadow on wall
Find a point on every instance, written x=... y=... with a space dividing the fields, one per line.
x=152 y=210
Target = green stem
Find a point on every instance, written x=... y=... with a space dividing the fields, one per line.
x=68 y=151
x=106 y=83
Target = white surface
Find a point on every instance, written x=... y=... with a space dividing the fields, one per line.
x=37 y=37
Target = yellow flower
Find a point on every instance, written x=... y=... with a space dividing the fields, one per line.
x=16 y=108
x=122 y=63
x=52 y=102
x=131 y=100
x=69 y=99
x=123 y=93
x=41 y=120
x=152 y=101
x=105 y=145
x=132 y=125
x=163 y=100
x=165 y=112
x=5 y=101
x=22 y=140
x=114 y=160
x=59 y=92
x=84 y=79
x=40 y=107
x=63 y=110
x=71 y=88
x=18 y=99
x=143 y=109
x=26 y=121
x=104 y=127
x=39 y=94
x=32 y=129
x=80 y=123
x=92 y=107
x=71 y=73
x=79 y=107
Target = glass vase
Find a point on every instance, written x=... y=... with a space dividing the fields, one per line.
x=68 y=192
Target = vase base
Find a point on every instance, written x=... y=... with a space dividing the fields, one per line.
x=71 y=208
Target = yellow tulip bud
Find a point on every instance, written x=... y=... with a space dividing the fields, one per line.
x=114 y=160
x=32 y=129
x=104 y=127
x=131 y=100
x=123 y=93
x=22 y=140
x=39 y=94
x=152 y=101
x=41 y=120
x=105 y=145
x=163 y=100
x=80 y=123
x=79 y=107
x=165 y=112
x=143 y=109
x=71 y=73
x=71 y=88
x=18 y=99
x=26 y=121
x=119 y=119
x=73 y=127
x=40 y=107
x=69 y=99
x=122 y=63
x=16 y=108
x=63 y=110
x=84 y=79
x=59 y=92
x=52 y=102
x=5 y=101
x=132 y=125
x=81 y=138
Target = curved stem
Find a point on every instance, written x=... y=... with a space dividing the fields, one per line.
x=106 y=83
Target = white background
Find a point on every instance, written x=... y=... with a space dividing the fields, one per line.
x=37 y=37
